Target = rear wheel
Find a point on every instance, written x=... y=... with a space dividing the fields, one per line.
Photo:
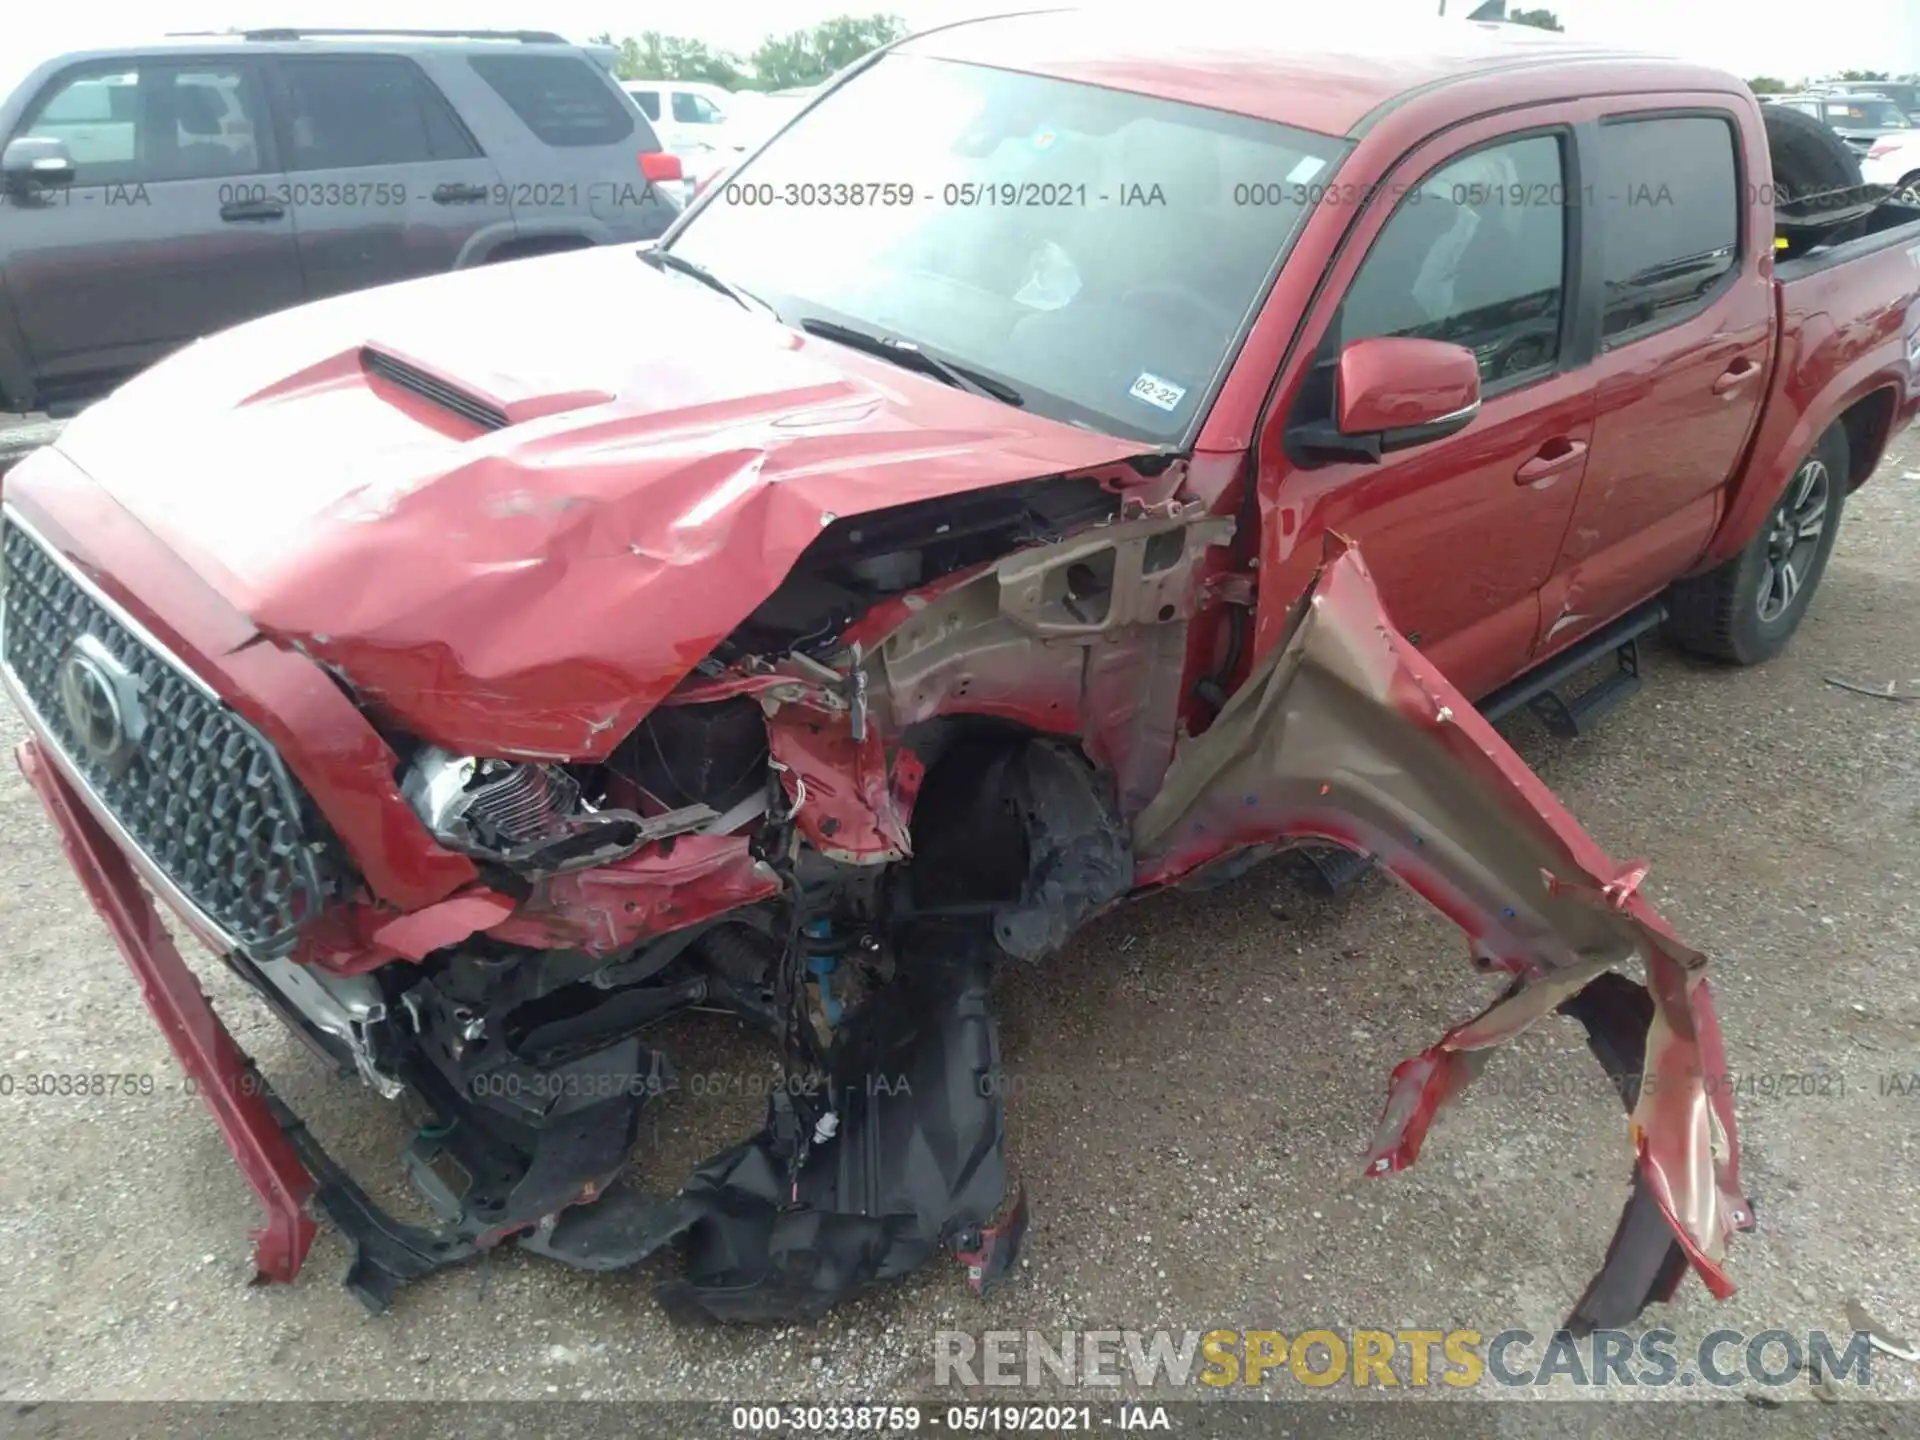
x=1748 y=609
x=1907 y=192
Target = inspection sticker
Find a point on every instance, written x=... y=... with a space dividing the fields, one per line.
x=1161 y=394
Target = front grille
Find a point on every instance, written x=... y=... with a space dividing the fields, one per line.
x=202 y=793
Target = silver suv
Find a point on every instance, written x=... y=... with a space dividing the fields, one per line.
x=157 y=193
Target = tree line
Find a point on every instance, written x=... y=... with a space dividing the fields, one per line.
x=807 y=57
x=781 y=62
x=1774 y=85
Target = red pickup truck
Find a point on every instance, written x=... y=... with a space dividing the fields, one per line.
x=1070 y=458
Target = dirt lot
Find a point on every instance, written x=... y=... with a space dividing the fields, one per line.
x=1193 y=1085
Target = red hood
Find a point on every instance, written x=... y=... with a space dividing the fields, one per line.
x=535 y=589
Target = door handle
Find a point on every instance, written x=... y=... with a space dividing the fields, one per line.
x=454 y=194
x=1555 y=456
x=253 y=210
x=1735 y=375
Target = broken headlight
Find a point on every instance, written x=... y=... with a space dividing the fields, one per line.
x=525 y=815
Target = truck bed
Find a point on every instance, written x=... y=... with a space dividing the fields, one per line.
x=1848 y=350
x=1893 y=226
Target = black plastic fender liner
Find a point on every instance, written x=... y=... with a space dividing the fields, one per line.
x=1644 y=1263
x=1027 y=831
x=813 y=1209
x=915 y=1164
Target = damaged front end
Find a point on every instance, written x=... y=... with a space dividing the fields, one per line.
x=956 y=732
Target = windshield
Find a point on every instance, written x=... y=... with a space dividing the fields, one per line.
x=1863 y=113
x=1095 y=251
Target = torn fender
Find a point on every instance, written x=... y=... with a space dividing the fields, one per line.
x=1346 y=733
x=846 y=802
x=666 y=885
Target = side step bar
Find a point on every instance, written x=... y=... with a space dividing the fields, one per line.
x=1539 y=689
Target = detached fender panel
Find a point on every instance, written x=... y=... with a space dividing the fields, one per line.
x=1346 y=733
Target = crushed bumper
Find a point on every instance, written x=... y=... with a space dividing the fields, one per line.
x=243 y=1105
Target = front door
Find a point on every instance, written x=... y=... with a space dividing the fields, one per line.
x=1468 y=242
x=164 y=235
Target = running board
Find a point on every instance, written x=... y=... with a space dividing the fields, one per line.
x=1540 y=689
x=1336 y=870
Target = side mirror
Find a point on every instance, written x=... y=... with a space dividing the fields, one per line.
x=1406 y=392
x=1390 y=393
x=36 y=162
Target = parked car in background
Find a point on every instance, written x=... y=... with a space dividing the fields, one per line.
x=757 y=120
x=1856 y=118
x=157 y=193
x=1904 y=93
x=698 y=123
x=684 y=112
x=1895 y=160
x=773 y=109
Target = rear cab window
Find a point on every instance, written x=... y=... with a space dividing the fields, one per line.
x=1668 y=202
x=565 y=100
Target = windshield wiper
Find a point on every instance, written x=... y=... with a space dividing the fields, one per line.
x=667 y=259
x=907 y=354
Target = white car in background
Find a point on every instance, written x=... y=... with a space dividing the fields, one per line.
x=771 y=110
x=1895 y=160
x=758 y=115
x=684 y=112
x=700 y=123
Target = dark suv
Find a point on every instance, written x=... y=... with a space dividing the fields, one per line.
x=162 y=192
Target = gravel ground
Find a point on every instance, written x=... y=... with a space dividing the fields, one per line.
x=21 y=435
x=1194 y=1083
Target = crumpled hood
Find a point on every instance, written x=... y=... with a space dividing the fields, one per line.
x=534 y=589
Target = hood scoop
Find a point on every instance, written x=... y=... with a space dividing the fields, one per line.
x=436 y=390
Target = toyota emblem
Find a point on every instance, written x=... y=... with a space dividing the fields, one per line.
x=99 y=698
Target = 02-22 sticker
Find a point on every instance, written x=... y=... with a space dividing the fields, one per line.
x=1161 y=394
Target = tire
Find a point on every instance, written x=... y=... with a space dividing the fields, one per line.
x=1808 y=158
x=1746 y=611
x=1907 y=192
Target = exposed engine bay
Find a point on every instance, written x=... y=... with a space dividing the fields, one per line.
x=847 y=817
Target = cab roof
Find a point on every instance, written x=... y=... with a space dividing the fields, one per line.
x=1328 y=73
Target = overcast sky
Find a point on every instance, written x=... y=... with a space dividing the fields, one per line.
x=1789 y=38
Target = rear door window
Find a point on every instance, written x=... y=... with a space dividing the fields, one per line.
x=648 y=101
x=351 y=112
x=1669 y=203
x=562 y=99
